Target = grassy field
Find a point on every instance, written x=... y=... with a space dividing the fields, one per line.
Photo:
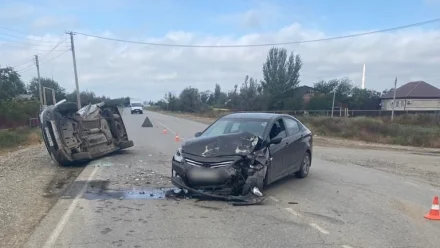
x=13 y=138
x=410 y=130
x=401 y=131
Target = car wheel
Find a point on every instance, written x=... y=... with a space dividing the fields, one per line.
x=142 y=112
x=305 y=166
x=67 y=107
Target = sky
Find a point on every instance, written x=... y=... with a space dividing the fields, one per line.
x=118 y=69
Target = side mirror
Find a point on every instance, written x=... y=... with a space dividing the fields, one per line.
x=197 y=134
x=276 y=140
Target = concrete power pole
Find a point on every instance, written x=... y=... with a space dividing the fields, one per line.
x=394 y=99
x=78 y=99
x=334 y=96
x=40 y=92
x=363 y=78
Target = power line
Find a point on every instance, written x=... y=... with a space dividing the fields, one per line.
x=26 y=48
x=57 y=45
x=25 y=38
x=266 y=44
x=25 y=43
x=26 y=69
x=27 y=62
x=48 y=60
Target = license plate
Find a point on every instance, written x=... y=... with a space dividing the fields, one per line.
x=49 y=138
x=203 y=173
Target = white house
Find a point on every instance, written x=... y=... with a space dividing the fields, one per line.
x=413 y=96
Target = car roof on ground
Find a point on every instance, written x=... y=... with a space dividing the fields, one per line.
x=253 y=115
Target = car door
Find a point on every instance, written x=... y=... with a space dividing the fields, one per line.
x=278 y=151
x=295 y=148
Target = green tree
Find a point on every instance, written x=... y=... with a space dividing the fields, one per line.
x=364 y=99
x=320 y=102
x=233 y=101
x=251 y=95
x=190 y=100
x=220 y=97
x=60 y=92
x=10 y=84
x=281 y=76
x=173 y=102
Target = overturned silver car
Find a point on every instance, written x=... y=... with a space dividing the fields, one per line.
x=75 y=136
x=239 y=154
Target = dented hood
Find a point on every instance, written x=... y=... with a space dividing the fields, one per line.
x=223 y=145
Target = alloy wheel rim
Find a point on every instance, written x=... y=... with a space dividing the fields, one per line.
x=306 y=164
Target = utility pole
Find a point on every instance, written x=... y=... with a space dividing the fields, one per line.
x=44 y=96
x=334 y=95
x=40 y=92
x=53 y=97
x=394 y=99
x=78 y=99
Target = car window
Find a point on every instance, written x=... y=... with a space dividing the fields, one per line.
x=278 y=130
x=227 y=126
x=292 y=126
x=235 y=128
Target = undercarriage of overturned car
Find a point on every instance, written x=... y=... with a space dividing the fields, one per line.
x=230 y=167
x=74 y=136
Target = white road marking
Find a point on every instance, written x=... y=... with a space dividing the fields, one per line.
x=322 y=230
x=274 y=199
x=293 y=212
x=346 y=246
x=62 y=223
x=169 y=129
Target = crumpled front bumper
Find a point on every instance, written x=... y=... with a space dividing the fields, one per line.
x=182 y=172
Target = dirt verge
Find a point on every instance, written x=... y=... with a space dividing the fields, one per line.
x=30 y=184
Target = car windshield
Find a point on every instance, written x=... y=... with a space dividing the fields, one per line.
x=136 y=105
x=227 y=126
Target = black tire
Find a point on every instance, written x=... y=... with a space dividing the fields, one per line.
x=305 y=166
x=142 y=112
x=131 y=112
x=67 y=107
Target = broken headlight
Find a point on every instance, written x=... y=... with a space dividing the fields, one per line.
x=178 y=156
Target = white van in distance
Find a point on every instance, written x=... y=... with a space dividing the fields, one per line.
x=136 y=107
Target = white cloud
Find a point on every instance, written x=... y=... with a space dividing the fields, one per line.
x=264 y=13
x=148 y=72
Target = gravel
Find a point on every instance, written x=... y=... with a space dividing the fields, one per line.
x=30 y=183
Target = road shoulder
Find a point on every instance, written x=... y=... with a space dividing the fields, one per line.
x=30 y=184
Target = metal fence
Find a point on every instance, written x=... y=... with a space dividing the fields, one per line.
x=349 y=112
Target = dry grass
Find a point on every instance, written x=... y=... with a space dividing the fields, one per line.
x=13 y=139
x=377 y=130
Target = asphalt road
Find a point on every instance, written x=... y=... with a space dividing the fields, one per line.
x=117 y=202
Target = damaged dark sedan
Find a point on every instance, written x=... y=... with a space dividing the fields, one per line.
x=75 y=136
x=239 y=154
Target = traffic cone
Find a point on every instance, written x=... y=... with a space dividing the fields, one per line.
x=434 y=213
x=177 y=138
x=164 y=131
